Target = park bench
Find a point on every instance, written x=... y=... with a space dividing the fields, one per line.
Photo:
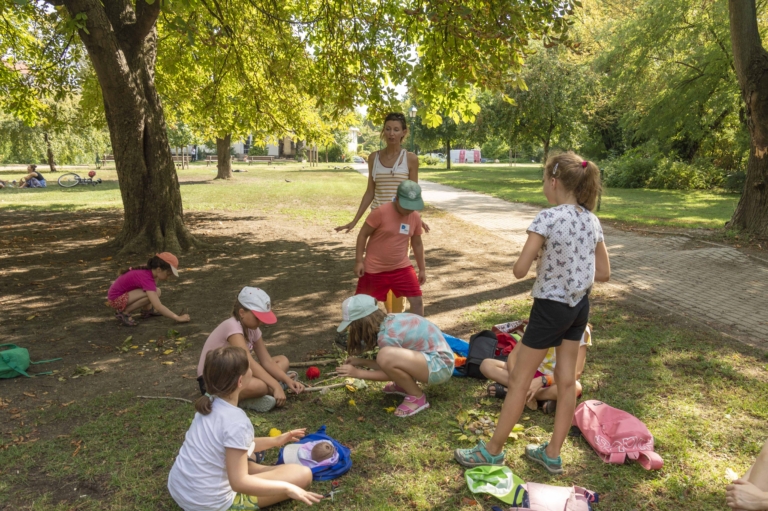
x=211 y=158
x=107 y=157
x=181 y=161
x=266 y=159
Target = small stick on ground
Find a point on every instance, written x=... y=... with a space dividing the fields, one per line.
x=316 y=389
x=324 y=362
x=327 y=379
x=167 y=397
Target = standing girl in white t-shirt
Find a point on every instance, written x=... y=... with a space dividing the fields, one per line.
x=271 y=377
x=573 y=256
x=212 y=471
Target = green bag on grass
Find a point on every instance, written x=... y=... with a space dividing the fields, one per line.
x=14 y=361
x=498 y=481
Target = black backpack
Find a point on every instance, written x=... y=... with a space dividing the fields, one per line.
x=482 y=345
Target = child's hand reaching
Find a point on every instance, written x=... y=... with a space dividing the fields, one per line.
x=347 y=370
x=296 y=386
x=304 y=496
x=291 y=436
x=184 y=318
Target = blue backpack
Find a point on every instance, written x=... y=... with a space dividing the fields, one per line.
x=332 y=471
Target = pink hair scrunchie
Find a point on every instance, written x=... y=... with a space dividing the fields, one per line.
x=584 y=164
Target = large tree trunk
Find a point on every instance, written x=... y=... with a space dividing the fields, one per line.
x=49 y=152
x=122 y=42
x=751 y=63
x=224 y=160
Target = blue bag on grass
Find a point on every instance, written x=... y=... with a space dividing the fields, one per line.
x=460 y=347
x=338 y=469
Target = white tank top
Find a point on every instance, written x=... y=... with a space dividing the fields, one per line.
x=386 y=179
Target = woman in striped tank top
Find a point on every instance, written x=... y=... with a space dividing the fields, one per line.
x=387 y=168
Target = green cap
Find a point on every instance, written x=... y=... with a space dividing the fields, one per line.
x=356 y=307
x=409 y=195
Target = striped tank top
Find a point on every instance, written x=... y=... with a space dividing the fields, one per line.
x=386 y=179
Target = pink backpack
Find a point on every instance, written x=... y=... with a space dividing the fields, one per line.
x=616 y=435
x=543 y=497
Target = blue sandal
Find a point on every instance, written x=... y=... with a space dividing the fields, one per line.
x=478 y=456
x=538 y=454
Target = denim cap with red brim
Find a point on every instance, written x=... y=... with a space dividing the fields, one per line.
x=356 y=307
x=409 y=195
x=258 y=302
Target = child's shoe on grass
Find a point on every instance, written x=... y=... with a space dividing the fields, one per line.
x=538 y=453
x=258 y=404
x=478 y=456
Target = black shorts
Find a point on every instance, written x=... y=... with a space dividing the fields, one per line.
x=552 y=321
x=202 y=385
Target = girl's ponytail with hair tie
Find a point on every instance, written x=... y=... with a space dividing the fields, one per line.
x=584 y=164
x=209 y=396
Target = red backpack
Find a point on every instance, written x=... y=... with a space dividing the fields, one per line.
x=616 y=435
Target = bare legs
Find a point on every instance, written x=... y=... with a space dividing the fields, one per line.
x=750 y=492
x=137 y=299
x=299 y=475
x=404 y=367
x=257 y=387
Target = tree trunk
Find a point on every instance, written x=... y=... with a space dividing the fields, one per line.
x=448 y=154
x=223 y=158
x=49 y=152
x=546 y=150
x=751 y=63
x=122 y=43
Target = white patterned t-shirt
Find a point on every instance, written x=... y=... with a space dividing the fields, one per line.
x=566 y=268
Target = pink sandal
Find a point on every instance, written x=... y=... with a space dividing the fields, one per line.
x=393 y=388
x=406 y=408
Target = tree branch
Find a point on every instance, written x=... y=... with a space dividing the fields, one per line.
x=146 y=17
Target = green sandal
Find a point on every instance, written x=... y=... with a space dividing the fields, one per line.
x=478 y=456
x=538 y=453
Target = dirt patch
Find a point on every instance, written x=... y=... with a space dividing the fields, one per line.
x=56 y=271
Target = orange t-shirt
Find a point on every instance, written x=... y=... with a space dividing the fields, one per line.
x=387 y=247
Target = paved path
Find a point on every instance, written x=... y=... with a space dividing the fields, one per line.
x=711 y=283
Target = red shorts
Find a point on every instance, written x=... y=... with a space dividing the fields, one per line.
x=402 y=282
x=119 y=303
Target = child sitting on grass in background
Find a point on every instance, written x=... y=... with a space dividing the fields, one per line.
x=573 y=256
x=136 y=288
x=212 y=470
x=384 y=239
x=270 y=379
x=543 y=387
x=411 y=349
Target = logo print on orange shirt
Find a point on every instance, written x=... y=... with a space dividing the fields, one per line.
x=405 y=229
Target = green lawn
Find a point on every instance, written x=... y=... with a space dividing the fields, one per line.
x=522 y=183
x=286 y=188
x=704 y=398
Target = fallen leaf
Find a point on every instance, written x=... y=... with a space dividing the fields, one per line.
x=168 y=363
x=352 y=402
x=134 y=347
x=29 y=394
x=518 y=428
x=360 y=419
x=140 y=353
x=106 y=258
x=468 y=502
x=526 y=418
x=167 y=352
x=389 y=409
x=62 y=379
x=33 y=316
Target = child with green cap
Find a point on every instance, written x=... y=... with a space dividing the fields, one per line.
x=411 y=350
x=384 y=239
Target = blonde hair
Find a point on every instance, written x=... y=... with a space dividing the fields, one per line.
x=364 y=332
x=576 y=175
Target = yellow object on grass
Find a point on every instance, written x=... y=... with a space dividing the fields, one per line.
x=275 y=432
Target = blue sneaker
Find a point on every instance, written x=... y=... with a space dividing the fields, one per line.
x=538 y=453
x=478 y=456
